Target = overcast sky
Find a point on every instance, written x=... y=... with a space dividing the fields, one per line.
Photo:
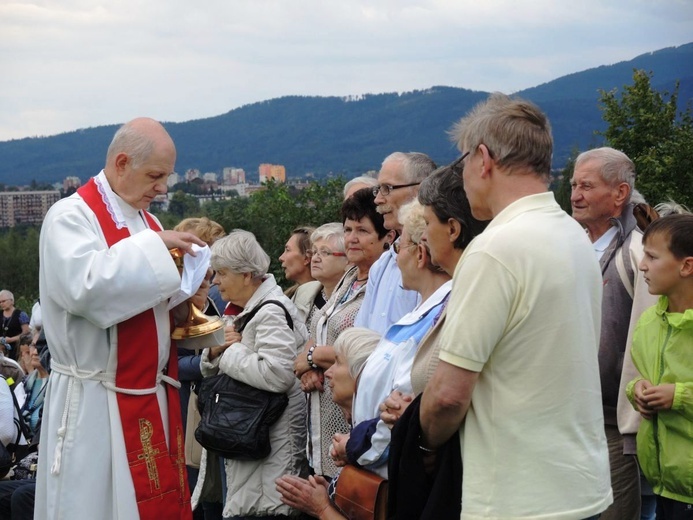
x=69 y=64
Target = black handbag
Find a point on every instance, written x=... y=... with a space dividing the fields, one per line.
x=6 y=460
x=236 y=417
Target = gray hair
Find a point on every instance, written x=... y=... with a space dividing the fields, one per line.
x=412 y=220
x=671 y=208
x=355 y=344
x=416 y=166
x=615 y=167
x=443 y=191
x=7 y=295
x=515 y=131
x=133 y=142
x=362 y=179
x=332 y=231
x=240 y=252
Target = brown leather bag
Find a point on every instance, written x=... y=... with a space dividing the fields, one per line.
x=361 y=494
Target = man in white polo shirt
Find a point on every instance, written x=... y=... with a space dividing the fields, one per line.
x=518 y=376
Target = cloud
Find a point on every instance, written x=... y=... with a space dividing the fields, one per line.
x=77 y=63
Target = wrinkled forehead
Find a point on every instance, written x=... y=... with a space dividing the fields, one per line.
x=392 y=172
x=588 y=171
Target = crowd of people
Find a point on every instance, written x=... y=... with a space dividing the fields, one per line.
x=455 y=336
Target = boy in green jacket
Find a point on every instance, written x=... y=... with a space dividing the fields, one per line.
x=663 y=354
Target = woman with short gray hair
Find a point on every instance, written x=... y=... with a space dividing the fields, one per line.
x=261 y=356
x=328 y=259
x=355 y=345
x=240 y=253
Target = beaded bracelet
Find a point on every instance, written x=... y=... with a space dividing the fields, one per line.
x=309 y=357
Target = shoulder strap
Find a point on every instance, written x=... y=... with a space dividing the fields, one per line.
x=626 y=280
x=21 y=427
x=246 y=319
x=16 y=313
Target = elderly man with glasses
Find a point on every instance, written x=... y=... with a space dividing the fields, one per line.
x=398 y=183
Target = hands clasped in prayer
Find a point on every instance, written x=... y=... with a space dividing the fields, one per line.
x=393 y=407
x=313 y=380
x=301 y=365
x=651 y=399
x=338 y=450
x=308 y=495
x=230 y=337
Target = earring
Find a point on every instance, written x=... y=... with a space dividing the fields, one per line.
x=386 y=246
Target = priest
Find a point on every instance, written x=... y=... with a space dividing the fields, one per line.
x=111 y=438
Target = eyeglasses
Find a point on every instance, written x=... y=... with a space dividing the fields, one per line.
x=385 y=189
x=323 y=253
x=457 y=166
x=397 y=246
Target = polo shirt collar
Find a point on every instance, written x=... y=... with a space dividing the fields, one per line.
x=529 y=203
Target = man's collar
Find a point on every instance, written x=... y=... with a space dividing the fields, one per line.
x=114 y=203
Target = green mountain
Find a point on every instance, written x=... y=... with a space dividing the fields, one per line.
x=326 y=135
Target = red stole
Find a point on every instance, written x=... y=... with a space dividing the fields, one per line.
x=158 y=473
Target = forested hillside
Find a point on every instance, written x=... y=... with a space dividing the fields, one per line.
x=325 y=135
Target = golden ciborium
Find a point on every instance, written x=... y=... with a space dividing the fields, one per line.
x=198 y=330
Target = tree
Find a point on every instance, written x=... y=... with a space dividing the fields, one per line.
x=183 y=205
x=561 y=183
x=20 y=264
x=647 y=126
x=231 y=214
x=272 y=213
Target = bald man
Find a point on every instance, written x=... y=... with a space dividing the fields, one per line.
x=112 y=438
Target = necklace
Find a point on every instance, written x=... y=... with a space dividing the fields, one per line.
x=6 y=323
x=356 y=285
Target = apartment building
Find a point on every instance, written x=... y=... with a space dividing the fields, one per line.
x=25 y=207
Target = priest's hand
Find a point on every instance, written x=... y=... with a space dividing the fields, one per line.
x=181 y=240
